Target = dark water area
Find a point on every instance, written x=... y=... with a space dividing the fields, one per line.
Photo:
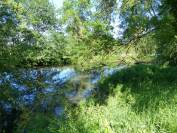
x=45 y=90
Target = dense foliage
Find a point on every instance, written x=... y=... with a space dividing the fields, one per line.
x=89 y=35
x=34 y=34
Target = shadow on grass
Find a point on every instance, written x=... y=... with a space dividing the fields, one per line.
x=150 y=86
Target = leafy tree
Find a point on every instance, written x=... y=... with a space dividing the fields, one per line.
x=24 y=27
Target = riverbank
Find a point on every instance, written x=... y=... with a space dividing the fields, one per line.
x=139 y=99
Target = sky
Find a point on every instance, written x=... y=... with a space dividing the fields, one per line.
x=57 y=3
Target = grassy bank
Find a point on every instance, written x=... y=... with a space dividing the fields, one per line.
x=140 y=99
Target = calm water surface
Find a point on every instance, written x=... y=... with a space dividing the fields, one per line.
x=48 y=89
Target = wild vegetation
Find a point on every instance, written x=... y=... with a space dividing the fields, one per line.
x=138 y=99
x=89 y=35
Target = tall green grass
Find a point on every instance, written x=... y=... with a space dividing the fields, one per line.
x=139 y=99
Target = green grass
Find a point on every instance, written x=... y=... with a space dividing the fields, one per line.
x=140 y=99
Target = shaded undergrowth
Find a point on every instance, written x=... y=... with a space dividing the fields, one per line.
x=138 y=99
x=149 y=85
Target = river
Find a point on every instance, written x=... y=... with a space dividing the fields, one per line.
x=46 y=89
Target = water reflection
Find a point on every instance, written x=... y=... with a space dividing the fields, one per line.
x=64 y=75
x=47 y=87
x=51 y=80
